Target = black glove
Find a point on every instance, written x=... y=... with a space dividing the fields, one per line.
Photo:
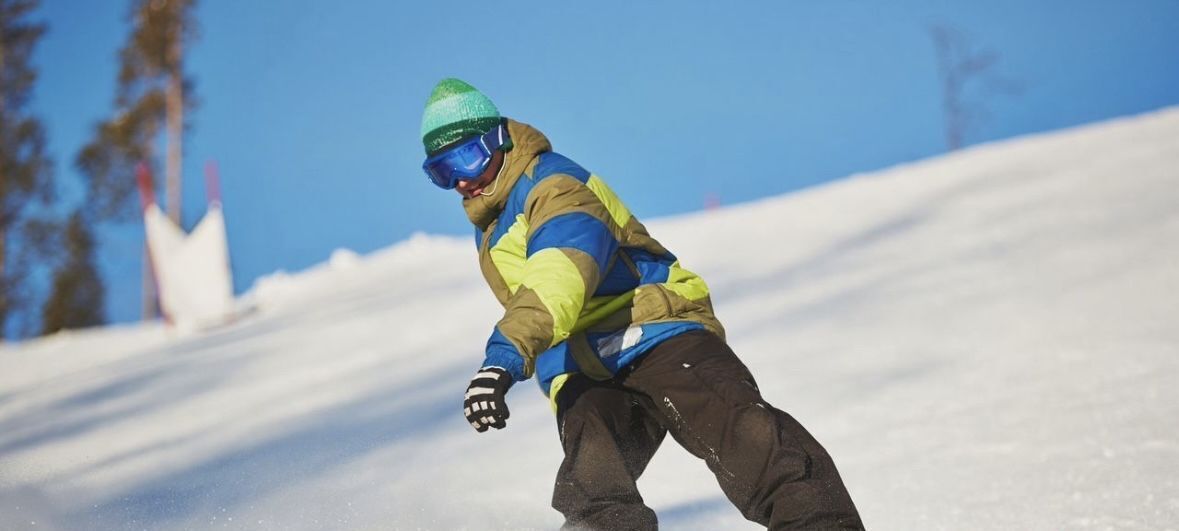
x=484 y=405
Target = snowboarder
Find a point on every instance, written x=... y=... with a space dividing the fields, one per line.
x=621 y=338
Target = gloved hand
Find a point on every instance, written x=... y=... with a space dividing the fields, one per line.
x=484 y=405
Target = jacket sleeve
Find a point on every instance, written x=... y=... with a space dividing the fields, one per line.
x=570 y=244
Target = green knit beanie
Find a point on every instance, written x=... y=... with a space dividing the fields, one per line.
x=454 y=111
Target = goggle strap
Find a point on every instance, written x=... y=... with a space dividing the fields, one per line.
x=494 y=139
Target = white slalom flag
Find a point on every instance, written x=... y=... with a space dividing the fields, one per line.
x=192 y=270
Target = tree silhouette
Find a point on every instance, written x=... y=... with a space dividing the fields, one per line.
x=153 y=98
x=961 y=65
x=25 y=170
x=77 y=296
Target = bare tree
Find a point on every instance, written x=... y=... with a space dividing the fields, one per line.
x=961 y=65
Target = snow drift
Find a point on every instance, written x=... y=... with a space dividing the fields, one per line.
x=985 y=340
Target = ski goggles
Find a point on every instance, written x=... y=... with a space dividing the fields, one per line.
x=464 y=161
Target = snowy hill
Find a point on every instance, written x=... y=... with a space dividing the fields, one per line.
x=986 y=340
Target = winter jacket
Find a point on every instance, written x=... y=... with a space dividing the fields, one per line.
x=585 y=288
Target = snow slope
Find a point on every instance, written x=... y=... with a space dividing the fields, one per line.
x=986 y=340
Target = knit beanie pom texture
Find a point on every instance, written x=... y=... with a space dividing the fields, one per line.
x=454 y=111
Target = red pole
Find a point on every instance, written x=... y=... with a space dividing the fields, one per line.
x=146 y=195
x=212 y=183
x=151 y=288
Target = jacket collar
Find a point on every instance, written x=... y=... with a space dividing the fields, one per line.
x=527 y=145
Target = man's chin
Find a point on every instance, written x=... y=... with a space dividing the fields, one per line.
x=473 y=193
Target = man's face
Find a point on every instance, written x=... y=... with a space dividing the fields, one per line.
x=474 y=187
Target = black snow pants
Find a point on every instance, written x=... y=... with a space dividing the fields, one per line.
x=696 y=388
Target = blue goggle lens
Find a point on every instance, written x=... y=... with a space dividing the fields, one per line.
x=468 y=158
x=463 y=162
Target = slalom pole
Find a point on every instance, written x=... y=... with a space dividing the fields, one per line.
x=151 y=284
x=212 y=183
x=143 y=177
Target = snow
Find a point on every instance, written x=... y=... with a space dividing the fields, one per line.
x=984 y=340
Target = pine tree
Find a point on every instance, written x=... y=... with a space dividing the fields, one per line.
x=153 y=97
x=77 y=296
x=25 y=170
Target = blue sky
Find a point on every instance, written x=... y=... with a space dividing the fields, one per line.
x=312 y=109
